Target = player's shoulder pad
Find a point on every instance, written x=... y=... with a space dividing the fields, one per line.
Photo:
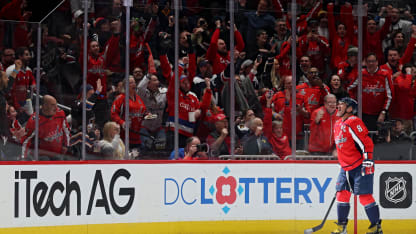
x=353 y=121
x=163 y=90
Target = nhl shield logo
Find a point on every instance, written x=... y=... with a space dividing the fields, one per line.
x=395 y=189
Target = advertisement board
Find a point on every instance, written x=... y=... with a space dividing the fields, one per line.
x=84 y=194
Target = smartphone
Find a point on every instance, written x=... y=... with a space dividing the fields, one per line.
x=259 y=58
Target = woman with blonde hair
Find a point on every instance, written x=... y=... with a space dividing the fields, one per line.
x=111 y=146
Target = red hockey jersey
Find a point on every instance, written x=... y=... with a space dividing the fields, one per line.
x=352 y=142
x=347 y=74
x=339 y=46
x=137 y=110
x=313 y=96
x=24 y=80
x=284 y=109
x=54 y=133
x=402 y=106
x=220 y=62
x=187 y=102
x=377 y=91
x=280 y=145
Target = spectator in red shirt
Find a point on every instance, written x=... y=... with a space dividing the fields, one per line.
x=54 y=133
x=341 y=35
x=373 y=38
x=314 y=45
x=96 y=69
x=273 y=130
x=217 y=53
x=282 y=101
x=314 y=91
x=25 y=81
x=137 y=111
x=402 y=106
x=377 y=92
x=347 y=70
x=322 y=127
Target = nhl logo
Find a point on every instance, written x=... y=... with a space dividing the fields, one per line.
x=395 y=189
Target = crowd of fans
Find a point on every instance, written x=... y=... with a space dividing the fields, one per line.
x=326 y=53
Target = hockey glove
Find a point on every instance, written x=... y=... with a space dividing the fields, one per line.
x=367 y=167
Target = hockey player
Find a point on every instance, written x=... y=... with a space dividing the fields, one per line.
x=355 y=154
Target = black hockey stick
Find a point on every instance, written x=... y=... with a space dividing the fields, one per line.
x=319 y=227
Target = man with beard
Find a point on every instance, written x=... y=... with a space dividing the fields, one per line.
x=7 y=58
x=189 y=111
x=355 y=154
x=218 y=54
x=97 y=62
x=314 y=91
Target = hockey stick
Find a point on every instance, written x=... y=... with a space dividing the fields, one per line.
x=319 y=227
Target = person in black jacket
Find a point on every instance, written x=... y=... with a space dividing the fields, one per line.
x=255 y=143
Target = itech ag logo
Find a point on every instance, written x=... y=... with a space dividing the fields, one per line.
x=226 y=189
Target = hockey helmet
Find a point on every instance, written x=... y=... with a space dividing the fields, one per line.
x=350 y=103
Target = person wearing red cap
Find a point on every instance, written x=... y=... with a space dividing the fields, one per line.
x=219 y=140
